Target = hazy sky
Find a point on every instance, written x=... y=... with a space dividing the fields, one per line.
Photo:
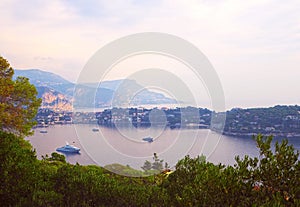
x=254 y=46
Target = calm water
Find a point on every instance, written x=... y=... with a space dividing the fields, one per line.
x=125 y=146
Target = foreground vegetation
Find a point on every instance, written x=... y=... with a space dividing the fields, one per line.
x=273 y=179
x=18 y=102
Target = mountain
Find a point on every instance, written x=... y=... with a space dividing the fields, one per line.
x=40 y=77
x=112 y=84
x=54 y=99
x=125 y=92
x=47 y=79
x=62 y=94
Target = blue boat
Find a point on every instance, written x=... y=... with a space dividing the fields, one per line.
x=148 y=139
x=68 y=149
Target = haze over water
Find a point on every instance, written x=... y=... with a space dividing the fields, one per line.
x=110 y=146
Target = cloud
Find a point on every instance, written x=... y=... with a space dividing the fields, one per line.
x=39 y=58
x=243 y=39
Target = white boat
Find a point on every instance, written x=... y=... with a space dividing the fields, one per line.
x=68 y=148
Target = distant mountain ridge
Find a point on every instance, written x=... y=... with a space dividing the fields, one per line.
x=59 y=93
x=41 y=77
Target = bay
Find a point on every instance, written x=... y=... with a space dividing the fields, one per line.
x=126 y=146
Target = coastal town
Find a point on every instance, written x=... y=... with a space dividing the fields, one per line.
x=279 y=121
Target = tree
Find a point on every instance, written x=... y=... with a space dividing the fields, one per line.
x=147 y=166
x=18 y=171
x=158 y=163
x=276 y=173
x=272 y=179
x=18 y=102
x=55 y=157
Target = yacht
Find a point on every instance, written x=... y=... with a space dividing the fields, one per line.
x=148 y=139
x=68 y=148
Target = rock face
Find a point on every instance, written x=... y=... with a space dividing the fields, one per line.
x=54 y=100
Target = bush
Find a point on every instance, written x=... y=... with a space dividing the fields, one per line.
x=272 y=179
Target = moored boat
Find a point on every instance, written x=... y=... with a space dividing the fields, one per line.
x=148 y=139
x=68 y=149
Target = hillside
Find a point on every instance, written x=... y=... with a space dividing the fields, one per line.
x=59 y=93
x=46 y=79
x=54 y=99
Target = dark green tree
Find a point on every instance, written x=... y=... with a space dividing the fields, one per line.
x=158 y=163
x=147 y=165
x=18 y=171
x=55 y=157
x=275 y=174
x=18 y=102
x=272 y=179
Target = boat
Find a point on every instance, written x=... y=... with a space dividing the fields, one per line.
x=43 y=131
x=68 y=148
x=95 y=130
x=148 y=139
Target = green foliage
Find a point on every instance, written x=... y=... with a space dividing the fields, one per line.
x=198 y=183
x=18 y=170
x=55 y=157
x=272 y=179
x=284 y=119
x=147 y=165
x=157 y=164
x=124 y=170
x=18 y=102
x=155 y=167
x=276 y=173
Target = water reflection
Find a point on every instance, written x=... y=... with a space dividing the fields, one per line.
x=109 y=146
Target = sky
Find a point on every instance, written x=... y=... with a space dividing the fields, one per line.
x=254 y=46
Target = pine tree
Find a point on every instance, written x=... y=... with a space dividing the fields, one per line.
x=18 y=102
